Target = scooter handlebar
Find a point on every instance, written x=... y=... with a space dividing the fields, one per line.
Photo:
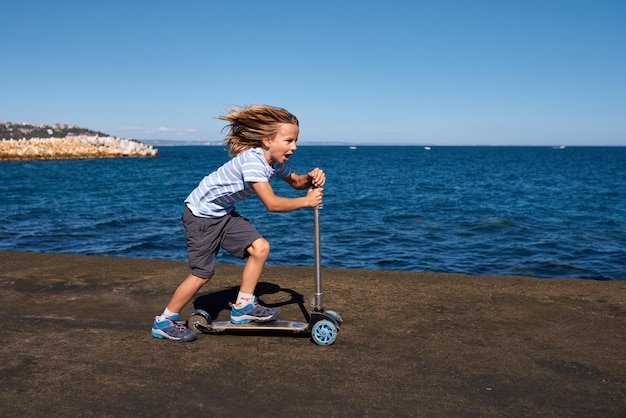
x=321 y=205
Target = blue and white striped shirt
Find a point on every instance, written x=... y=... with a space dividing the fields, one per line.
x=218 y=192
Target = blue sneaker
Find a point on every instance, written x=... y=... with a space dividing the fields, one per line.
x=172 y=330
x=253 y=312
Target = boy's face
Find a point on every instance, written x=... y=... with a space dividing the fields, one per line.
x=279 y=148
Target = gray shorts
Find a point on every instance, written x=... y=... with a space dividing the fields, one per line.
x=205 y=237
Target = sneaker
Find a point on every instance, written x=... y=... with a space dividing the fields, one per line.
x=253 y=312
x=172 y=330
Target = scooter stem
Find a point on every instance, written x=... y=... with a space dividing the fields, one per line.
x=317 y=304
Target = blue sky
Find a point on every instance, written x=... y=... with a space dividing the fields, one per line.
x=440 y=72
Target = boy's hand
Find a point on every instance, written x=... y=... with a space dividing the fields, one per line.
x=315 y=196
x=317 y=177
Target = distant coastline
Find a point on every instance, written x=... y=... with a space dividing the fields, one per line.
x=24 y=141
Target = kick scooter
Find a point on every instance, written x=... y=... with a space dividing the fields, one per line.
x=323 y=325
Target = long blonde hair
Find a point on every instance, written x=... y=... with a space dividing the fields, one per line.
x=248 y=126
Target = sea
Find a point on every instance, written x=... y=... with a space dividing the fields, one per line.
x=546 y=212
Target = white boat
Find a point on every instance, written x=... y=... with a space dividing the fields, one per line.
x=427 y=148
x=352 y=147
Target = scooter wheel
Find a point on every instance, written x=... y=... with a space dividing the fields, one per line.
x=198 y=317
x=324 y=332
x=335 y=316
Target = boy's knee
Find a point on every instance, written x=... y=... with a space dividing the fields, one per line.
x=259 y=248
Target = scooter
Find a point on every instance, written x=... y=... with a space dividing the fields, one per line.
x=323 y=325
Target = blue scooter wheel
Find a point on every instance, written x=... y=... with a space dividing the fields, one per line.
x=324 y=332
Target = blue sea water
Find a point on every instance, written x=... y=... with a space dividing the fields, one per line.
x=534 y=211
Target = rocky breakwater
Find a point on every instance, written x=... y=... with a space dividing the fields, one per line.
x=73 y=147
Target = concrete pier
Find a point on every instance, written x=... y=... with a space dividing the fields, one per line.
x=76 y=342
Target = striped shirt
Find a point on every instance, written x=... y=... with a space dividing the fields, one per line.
x=218 y=192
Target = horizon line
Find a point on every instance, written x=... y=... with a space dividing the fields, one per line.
x=175 y=142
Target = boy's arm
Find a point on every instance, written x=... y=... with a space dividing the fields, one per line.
x=275 y=203
x=314 y=178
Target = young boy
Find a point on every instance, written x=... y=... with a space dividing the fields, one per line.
x=260 y=139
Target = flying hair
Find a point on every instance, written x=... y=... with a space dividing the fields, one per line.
x=248 y=126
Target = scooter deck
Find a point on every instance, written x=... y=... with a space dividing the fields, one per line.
x=220 y=326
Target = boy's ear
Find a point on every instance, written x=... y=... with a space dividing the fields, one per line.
x=267 y=141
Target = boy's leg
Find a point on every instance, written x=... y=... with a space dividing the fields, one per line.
x=168 y=327
x=257 y=256
x=248 y=310
x=185 y=292
x=203 y=238
x=245 y=242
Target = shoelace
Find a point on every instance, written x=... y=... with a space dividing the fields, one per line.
x=179 y=326
x=254 y=305
x=265 y=309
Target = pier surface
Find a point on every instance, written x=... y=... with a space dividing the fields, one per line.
x=77 y=343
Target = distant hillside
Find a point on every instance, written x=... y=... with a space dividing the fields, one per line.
x=23 y=141
x=23 y=130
